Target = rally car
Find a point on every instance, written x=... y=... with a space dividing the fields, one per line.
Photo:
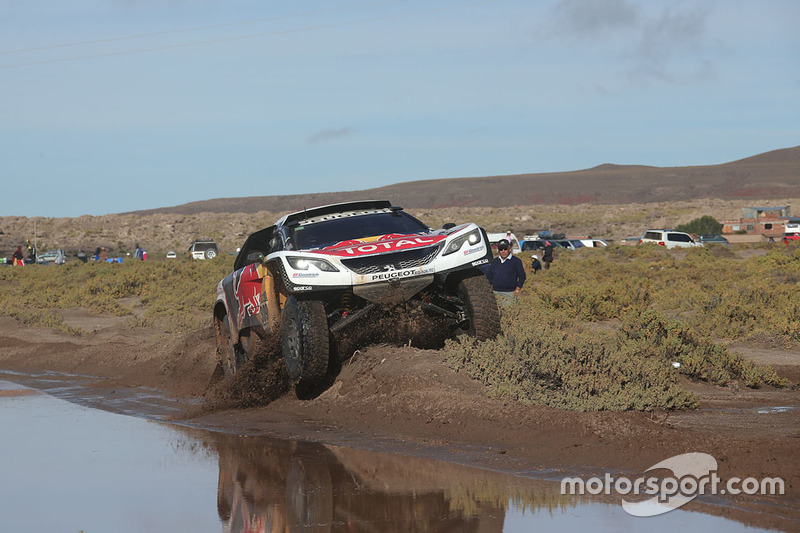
x=318 y=272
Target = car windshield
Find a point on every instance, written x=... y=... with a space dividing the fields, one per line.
x=332 y=231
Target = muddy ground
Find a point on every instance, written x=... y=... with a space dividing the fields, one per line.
x=404 y=398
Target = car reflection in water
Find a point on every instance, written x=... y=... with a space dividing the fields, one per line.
x=271 y=486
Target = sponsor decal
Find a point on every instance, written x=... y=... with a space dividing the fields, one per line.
x=251 y=308
x=305 y=274
x=398 y=274
x=385 y=243
x=475 y=250
x=479 y=262
x=303 y=287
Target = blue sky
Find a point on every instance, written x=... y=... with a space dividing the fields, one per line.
x=112 y=106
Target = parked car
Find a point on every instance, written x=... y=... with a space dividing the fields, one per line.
x=51 y=256
x=204 y=249
x=594 y=243
x=713 y=238
x=538 y=244
x=317 y=272
x=494 y=238
x=570 y=244
x=668 y=238
x=171 y=255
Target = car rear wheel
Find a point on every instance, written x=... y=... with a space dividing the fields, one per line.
x=483 y=317
x=305 y=340
x=231 y=356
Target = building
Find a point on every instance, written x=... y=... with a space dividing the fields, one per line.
x=766 y=221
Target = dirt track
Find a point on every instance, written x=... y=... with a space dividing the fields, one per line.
x=405 y=399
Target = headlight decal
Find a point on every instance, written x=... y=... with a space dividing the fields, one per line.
x=473 y=237
x=304 y=263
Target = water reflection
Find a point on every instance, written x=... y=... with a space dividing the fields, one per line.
x=68 y=468
x=269 y=486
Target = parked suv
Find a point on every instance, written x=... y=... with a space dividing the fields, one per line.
x=204 y=249
x=318 y=272
x=668 y=238
x=791 y=233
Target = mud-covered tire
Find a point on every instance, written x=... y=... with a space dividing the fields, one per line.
x=305 y=340
x=231 y=357
x=483 y=316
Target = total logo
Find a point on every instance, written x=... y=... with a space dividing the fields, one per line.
x=400 y=243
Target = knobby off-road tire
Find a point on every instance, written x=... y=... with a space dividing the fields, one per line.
x=305 y=341
x=231 y=357
x=483 y=315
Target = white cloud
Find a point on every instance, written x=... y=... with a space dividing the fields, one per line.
x=329 y=135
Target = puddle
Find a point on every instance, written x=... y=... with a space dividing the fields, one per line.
x=70 y=467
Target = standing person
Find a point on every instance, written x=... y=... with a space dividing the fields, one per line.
x=547 y=256
x=506 y=274
x=17 y=257
x=81 y=256
x=138 y=254
x=31 y=253
x=103 y=255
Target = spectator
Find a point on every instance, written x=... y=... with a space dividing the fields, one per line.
x=536 y=265
x=139 y=253
x=506 y=274
x=31 y=252
x=103 y=255
x=81 y=256
x=547 y=256
x=60 y=257
x=17 y=257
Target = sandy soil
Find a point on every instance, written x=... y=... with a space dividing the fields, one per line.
x=405 y=399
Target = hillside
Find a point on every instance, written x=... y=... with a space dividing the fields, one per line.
x=774 y=174
x=608 y=201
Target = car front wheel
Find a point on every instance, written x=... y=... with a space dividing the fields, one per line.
x=305 y=341
x=483 y=317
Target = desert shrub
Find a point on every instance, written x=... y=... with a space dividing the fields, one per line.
x=556 y=361
x=650 y=335
x=178 y=294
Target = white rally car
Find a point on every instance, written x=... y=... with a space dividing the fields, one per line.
x=317 y=272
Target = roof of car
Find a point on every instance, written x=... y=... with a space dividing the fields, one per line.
x=334 y=208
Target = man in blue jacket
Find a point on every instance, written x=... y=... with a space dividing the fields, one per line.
x=506 y=274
